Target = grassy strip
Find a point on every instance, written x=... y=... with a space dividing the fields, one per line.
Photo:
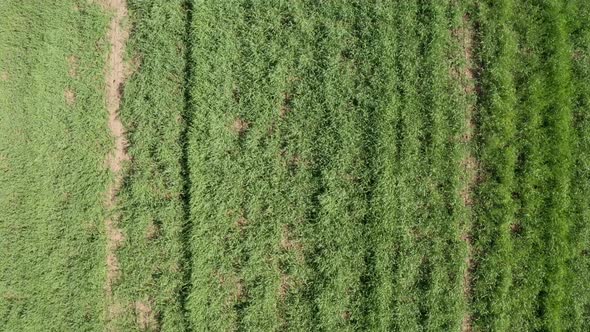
x=495 y=208
x=343 y=205
x=559 y=122
x=408 y=311
x=266 y=83
x=430 y=214
x=216 y=169
x=384 y=240
x=527 y=231
x=523 y=273
x=152 y=219
x=418 y=260
x=446 y=112
x=53 y=139
x=290 y=261
x=299 y=128
x=580 y=230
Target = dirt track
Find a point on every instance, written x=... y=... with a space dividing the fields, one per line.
x=115 y=77
x=469 y=164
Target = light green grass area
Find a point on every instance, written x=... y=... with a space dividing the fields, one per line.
x=53 y=142
x=361 y=165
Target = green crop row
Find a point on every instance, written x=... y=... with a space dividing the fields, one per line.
x=578 y=301
x=523 y=210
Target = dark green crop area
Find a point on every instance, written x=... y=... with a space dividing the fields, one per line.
x=359 y=165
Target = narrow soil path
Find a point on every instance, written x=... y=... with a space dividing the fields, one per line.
x=115 y=76
x=470 y=164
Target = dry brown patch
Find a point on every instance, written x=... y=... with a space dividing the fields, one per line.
x=146 y=317
x=516 y=229
x=470 y=166
x=284 y=111
x=466 y=34
x=292 y=161
x=272 y=128
x=175 y=268
x=239 y=291
x=236 y=94
x=113 y=271
x=466 y=197
x=240 y=126
x=241 y=223
x=115 y=241
x=4 y=76
x=10 y=296
x=4 y=165
x=466 y=324
x=236 y=285
x=73 y=64
x=287 y=243
x=286 y=105
x=114 y=310
x=70 y=97
x=577 y=55
x=152 y=232
x=284 y=286
x=346 y=315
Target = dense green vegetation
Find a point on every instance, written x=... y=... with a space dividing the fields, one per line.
x=53 y=141
x=151 y=201
x=299 y=166
x=579 y=265
x=523 y=218
x=299 y=115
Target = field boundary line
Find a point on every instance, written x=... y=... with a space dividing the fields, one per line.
x=115 y=78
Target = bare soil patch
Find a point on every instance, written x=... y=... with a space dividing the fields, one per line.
x=70 y=97
x=147 y=319
x=240 y=126
x=152 y=232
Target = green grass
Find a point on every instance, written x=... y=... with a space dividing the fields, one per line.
x=579 y=299
x=151 y=201
x=284 y=212
x=52 y=179
x=523 y=220
x=299 y=166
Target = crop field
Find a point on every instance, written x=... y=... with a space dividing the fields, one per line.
x=258 y=165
